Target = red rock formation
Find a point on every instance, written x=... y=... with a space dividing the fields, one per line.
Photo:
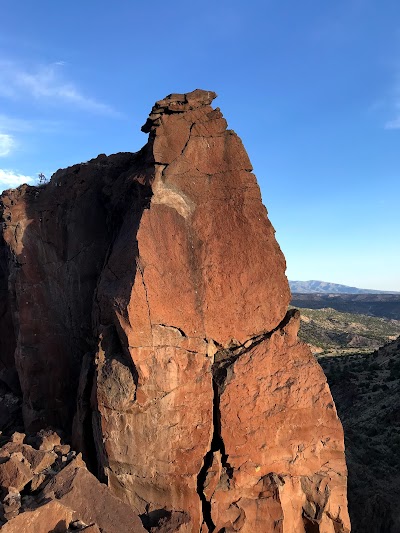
x=162 y=267
x=62 y=492
x=283 y=452
x=52 y=516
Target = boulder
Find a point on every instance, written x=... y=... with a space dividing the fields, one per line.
x=52 y=516
x=90 y=500
x=14 y=472
x=47 y=440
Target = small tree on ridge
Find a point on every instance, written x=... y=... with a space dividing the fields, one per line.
x=42 y=180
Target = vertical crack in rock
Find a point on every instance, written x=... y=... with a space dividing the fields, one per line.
x=217 y=444
x=222 y=370
x=141 y=270
x=188 y=139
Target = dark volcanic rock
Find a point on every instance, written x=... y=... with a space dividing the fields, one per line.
x=58 y=236
x=150 y=287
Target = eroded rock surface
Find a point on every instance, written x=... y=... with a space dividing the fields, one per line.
x=156 y=276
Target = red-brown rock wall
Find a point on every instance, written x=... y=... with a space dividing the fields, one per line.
x=281 y=440
x=158 y=275
x=58 y=237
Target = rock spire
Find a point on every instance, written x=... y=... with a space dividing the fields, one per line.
x=148 y=300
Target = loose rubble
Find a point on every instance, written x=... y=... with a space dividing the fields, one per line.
x=46 y=487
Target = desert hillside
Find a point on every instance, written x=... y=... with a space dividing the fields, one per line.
x=360 y=355
x=333 y=332
x=366 y=389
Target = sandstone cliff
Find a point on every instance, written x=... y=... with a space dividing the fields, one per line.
x=147 y=301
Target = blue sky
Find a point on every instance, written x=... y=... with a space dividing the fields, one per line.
x=312 y=88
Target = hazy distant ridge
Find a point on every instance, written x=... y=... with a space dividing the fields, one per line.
x=314 y=286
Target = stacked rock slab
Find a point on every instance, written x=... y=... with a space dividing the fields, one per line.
x=204 y=410
x=45 y=487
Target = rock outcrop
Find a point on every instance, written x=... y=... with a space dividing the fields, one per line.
x=150 y=287
x=45 y=487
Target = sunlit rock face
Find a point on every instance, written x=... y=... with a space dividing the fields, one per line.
x=151 y=288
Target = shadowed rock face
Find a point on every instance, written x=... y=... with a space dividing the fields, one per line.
x=157 y=277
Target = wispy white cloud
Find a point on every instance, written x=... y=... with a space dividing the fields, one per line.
x=393 y=124
x=7 y=143
x=393 y=105
x=10 y=179
x=47 y=83
x=14 y=124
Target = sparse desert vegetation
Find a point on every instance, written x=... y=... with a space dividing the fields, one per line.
x=366 y=390
x=331 y=332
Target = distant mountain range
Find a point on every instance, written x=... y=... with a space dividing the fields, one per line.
x=325 y=287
